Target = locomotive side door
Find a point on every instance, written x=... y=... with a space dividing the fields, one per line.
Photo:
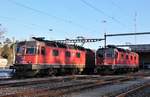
x=40 y=54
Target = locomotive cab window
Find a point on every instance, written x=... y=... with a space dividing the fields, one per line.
x=109 y=55
x=55 y=53
x=20 y=50
x=68 y=54
x=78 y=55
x=100 y=55
x=30 y=50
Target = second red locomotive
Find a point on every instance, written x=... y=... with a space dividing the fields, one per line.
x=116 y=59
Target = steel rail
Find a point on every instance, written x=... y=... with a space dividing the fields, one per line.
x=58 y=91
x=133 y=90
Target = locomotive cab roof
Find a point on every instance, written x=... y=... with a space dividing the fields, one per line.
x=111 y=46
x=114 y=47
x=58 y=44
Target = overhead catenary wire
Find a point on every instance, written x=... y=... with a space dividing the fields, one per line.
x=116 y=5
x=22 y=24
x=120 y=8
x=20 y=21
x=28 y=25
x=14 y=20
x=36 y=10
x=48 y=14
x=126 y=13
x=127 y=34
x=102 y=12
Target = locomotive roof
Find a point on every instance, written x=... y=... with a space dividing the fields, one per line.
x=114 y=47
x=58 y=44
x=119 y=49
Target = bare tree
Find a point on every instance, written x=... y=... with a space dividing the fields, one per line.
x=2 y=32
x=7 y=41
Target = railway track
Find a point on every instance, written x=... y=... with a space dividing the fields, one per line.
x=141 y=73
x=55 y=89
x=115 y=89
x=136 y=88
x=32 y=81
x=140 y=91
x=120 y=86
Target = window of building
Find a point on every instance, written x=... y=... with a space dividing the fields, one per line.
x=55 y=53
x=30 y=50
x=68 y=54
x=43 y=51
x=78 y=55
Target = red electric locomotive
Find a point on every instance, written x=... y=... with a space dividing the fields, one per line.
x=43 y=57
x=116 y=60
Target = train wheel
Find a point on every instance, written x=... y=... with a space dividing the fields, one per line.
x=26 y=73
x=98 y=71
x=51 y=72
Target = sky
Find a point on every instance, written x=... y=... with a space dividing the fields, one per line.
x=61 y=19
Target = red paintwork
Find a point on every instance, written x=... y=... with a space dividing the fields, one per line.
x=122 y=58
x=48 y=58
x=113 y=56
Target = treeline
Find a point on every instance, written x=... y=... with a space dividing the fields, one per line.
x=7 y=52
x=6 y=46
